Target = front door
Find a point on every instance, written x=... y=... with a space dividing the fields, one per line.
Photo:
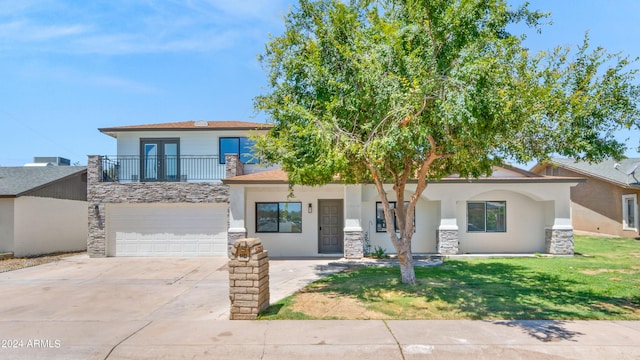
x=160 y=159
x=330 y=222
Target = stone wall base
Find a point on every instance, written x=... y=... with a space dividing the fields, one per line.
x=447 y=242
x=559 y=242
x=353 y=245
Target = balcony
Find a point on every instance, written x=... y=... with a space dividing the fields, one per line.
x=185 y=168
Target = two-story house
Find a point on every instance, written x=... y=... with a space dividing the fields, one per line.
x=162 y=194
x=192 y=188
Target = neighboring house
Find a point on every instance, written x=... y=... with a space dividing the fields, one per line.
x=43 y=209
x=192 y=188
x=513 y=211
x=607 y=202
x=162 y=194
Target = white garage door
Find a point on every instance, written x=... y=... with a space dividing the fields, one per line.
x=167 y=229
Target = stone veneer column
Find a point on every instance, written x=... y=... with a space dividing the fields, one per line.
x=559 y=241
x=447 y=241
x=233 y=166
x=353 y=245
x=248 y=279
x=236 y=228
x=96 y=243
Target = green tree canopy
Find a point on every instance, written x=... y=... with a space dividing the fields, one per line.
x=388 y=91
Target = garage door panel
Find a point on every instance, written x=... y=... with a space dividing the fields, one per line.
x=167 y=230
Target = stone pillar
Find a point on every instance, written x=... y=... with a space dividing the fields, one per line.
x=353 y=243
x=248 y=279
x=96 y=243
x=236 y=230
x=233 y=166
x=447 y=241
x=559 y=241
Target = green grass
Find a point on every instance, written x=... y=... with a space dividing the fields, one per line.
x=601 y=283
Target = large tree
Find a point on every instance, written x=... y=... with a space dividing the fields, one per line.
x=393 y=91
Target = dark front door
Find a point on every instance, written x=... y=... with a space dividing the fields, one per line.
x=331 y=226
x=159 y=159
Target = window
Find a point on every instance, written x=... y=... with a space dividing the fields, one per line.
x=281 y=217
x=487 y=216
x=381 y=224
x=630 y=212
x=241 y=146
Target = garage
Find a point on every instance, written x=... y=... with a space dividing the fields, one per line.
x=166 y=230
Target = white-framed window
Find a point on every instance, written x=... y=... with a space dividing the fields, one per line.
x=630 y=212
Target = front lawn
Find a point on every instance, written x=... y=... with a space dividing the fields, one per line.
x=602 y=282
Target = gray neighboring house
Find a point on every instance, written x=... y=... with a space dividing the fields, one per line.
x=43 y=209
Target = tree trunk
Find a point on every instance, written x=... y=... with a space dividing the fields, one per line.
x=405 y=258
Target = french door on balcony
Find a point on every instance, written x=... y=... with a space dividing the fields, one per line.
x=160 y=160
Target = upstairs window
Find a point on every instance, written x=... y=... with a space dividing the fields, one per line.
x=487 y=216
x=241 y=146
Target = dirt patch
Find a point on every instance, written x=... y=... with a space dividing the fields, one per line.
x=21 y=263
x=601 y=271
x=327 y=305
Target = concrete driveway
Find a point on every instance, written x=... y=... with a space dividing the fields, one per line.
x=91 y=305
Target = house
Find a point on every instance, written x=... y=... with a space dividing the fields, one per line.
x=607 y=202
x=162 y=194
x=43 y=209
x=192 y=188
x=513 y=211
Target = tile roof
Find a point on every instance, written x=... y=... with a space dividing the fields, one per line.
x=277 y=176
x=606 y=170
x=189 y=125
x=15 y=181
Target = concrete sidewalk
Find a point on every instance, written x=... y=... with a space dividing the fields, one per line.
x=369 y=339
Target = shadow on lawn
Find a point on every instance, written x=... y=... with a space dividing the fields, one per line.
x=488 y=291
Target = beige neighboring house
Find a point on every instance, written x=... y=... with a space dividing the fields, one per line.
x=607 y=202
x=43 y=209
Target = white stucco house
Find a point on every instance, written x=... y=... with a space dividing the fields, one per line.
x=43 y=209
x=513 y=211
x=193 y=188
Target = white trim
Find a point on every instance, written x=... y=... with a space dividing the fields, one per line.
x=625 y=212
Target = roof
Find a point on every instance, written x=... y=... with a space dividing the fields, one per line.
x=620 y=172
x=502 y=174
x=16 y=181
x=197 y=125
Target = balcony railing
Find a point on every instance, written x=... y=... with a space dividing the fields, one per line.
x=133 y=168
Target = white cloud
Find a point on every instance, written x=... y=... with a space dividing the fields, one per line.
x=124 y=27
x=24 y=31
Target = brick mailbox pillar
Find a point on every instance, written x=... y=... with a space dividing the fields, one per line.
x=248 y=279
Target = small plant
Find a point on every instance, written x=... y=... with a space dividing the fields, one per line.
x=366 y=244
x=379 y=252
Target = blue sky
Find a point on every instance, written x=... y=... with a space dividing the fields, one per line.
x=70 y=67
